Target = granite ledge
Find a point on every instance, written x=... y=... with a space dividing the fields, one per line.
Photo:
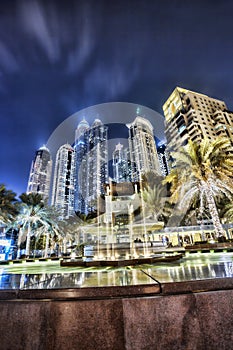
x=82 y=293
x=98 y=293
x=195 y=286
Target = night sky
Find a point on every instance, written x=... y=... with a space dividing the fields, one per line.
x=59 y=57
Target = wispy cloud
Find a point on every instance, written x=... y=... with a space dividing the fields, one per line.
x=85 y=39
x=41 y=24
x=110 y=81
x=115 y=71
x=68 y=36
x=106 y=62
x=7 y=59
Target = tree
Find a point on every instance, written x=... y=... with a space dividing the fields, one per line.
x=32 y=199
x=50 y=229
x=8 y=205
x=154 y=199
x=151 y=179
x=70 y=228
x=202 y=171
x=31 y=218
x=228 y=212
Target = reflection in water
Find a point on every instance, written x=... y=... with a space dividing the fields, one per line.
x=195 y=267
x=122 y=277
x=51 y=276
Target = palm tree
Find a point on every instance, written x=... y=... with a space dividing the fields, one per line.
x=32 y=199
x=8 y=205
x=228 y=212
x=30 y=219
x=50 y=229
x=154 y=200
x=69 y=228
x=202 y=171
x=151 y=179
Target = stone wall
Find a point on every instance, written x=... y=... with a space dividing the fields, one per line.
x=171 y=316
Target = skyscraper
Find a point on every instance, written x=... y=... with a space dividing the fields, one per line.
x=91 y=164
x=97 y=162
x=40 y=173
x=163 y=159
x=143 y=153
x=80 y=169
x=63 y=189
x=191 y=115
x=121 y=164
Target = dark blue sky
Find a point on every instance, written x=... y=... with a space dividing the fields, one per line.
x=59 y=57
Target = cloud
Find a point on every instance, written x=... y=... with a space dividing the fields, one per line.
x=7 y=59
x=66 y=36
x=110 y=81
x=81 y=51
x=85 y=39
x=42 y=24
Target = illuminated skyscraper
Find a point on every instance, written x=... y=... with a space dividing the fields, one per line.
x=163 y=159
x=97 y=162
x=121 y=164
x=63 y=189
x=80 y=168
x=82 y=127
x=40 y=173
x=191 y=115
x=91 y=164
x=143 y=153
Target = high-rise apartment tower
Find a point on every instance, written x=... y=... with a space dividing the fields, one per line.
x=143 y=153
x=80 y=169
x=63 y=189
x=40 y=173
x=163 y=159
x=121 y=164
x=91 y=165
x=191 y=115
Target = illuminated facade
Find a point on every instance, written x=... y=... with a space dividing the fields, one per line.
x=121 y=164
x=191 y=115
x=91 y=165
x=143 y=153
x=40 y=173
x=163 y=160
x=63 y=189
x=80 y=169
x=97 y=162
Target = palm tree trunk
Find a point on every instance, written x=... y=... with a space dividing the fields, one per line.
x=200 y=215
x=28 y=240
x=154 y=216
x=18 y=244
x=64 y=245
x=213 y=211
x=46 y=244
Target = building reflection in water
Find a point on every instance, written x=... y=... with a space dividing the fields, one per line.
x=200 y=266
x=122 y=277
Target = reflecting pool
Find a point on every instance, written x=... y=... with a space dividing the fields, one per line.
x=49 y=275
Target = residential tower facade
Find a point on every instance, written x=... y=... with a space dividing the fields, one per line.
x=63 y=187
x=91 y=165
x=40 y=173
x=121 y=164
x=143 y=153
x=192 y=116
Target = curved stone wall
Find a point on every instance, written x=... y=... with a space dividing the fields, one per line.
x=185 y=315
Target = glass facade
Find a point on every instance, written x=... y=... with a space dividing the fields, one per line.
x=40 y=173
x=63 y=190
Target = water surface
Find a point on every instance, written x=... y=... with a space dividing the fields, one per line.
x=49 y=275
